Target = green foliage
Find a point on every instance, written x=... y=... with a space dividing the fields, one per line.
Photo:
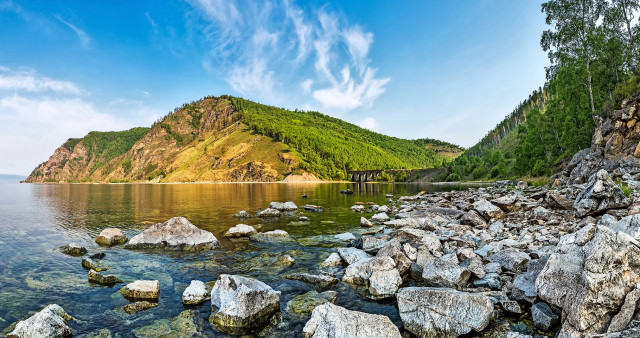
x=71 y=143
x=329 y=147
x=126 y=165
x=401 y=176
x=102 y=147
x=384 y=177
x=624 y=187
x=594 y=53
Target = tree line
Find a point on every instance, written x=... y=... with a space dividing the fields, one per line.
x=592 y=47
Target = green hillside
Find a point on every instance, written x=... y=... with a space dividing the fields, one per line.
x=329 y=146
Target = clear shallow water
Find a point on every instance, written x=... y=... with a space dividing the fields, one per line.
x=37 y=219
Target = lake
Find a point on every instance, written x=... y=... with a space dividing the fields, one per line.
x=35 y=220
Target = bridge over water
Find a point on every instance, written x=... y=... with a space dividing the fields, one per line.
x=372 y=174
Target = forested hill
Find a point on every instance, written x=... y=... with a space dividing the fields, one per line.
x=231 y=139
x=593 y=52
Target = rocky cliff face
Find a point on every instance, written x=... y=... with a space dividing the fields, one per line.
x=615 y=147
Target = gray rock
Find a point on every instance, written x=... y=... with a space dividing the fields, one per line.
x=312 y=208
x=242 y=304
x=600 y=195
x=365 y=222
x=508 y=203
x=49 y=322
x=242 y=214
x=629 y=225
x=352 y=255
x=90 y=264
x=269 y=213
x=347 y=236
x=333 y=260
x=138 y=306
x=358 y=208
x=305 y=303
x=332 y=321
x=274 y=236
x=510 y=306
x=111 y=237
x=286 y=206
x=625 y=315
x=475 y=266
x=473 y=218
x=240 y=230
x=379 y=274
x=73 y=249
x=98 y=278
x=394 y=250
x=588 y=276
x=380 y=217
x=543 y=317
x=496 y=227
x=437 y=312
x=320 y=280
x=488 y=210
x=445 y=272
x=524 y=285
x=522 y=185
x=511 y=259
x=142 y=290
x=491 y=280
x=177 y=233
x=195 y=293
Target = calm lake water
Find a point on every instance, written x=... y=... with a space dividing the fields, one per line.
x=37 y=219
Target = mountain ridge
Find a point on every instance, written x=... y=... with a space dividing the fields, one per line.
x=230 y=139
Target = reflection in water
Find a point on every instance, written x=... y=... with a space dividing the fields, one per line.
x=36 y=219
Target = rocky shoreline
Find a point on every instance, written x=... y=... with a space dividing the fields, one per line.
x=455 y=263
x=501 y=261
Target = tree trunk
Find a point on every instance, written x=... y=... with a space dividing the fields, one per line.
x=593 y=107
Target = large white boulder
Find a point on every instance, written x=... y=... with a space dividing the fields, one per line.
x=332 y=321
x=177 y=233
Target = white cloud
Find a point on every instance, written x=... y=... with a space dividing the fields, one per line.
x=351 y=94
x=29 y=80
x=306 y=85
x=369 y=123
x=252 y=78
x=38 y=114
x=265 y=48
x=85 y=40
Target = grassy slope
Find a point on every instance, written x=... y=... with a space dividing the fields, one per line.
x=328 y=146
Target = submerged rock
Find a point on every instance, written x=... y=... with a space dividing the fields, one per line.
x=49 y=322
x=242 y=214
x=438 y=312
x=347 y=236
x=90 y=264
x=176 y=233
x=186 y=324
x=332 y=321
x=286 y=206
x=588 y=276
x=312 y=208
x=138 y=306
x=305 y=303
x=73 y=249
x=320 y=280
x=141 y=290
x=195 y=293
x=240 y=230
x=242 y=304
x=98 y=278
x=272 y=237
x=111 y=237
x=269 y=213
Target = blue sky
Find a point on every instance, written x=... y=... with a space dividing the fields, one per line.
x=441 y=69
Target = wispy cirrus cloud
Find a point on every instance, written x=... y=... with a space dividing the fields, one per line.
x=84 y=38
x=264 y=48
x=29 y=80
